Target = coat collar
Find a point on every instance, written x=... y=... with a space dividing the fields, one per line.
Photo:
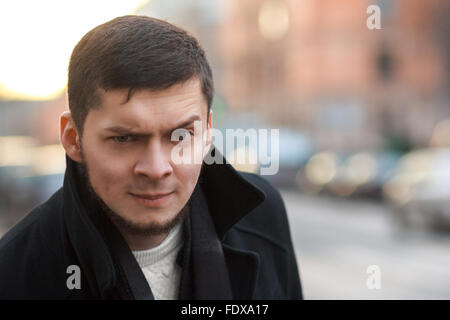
x=229 y=194
x=90 y=249
x=205 y=274
x=221 y=198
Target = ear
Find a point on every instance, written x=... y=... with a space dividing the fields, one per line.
x=69 y=137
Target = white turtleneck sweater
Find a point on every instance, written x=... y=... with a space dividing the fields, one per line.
x=159 y=265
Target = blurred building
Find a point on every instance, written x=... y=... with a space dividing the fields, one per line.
x=310 y=64
x=315 y=65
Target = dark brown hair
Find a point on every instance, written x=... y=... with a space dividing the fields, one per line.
x=134 y=52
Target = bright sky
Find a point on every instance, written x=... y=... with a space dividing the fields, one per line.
x=37 y=38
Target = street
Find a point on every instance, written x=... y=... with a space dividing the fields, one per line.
x=336 y=240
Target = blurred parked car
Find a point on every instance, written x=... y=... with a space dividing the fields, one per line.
x=364 y=173
x=295 y=148
x=420 y=189
x=348 y=174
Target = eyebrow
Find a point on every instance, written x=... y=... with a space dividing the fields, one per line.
x=120 y=130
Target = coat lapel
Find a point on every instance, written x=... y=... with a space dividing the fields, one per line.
x=243 y=268
x=229 y=194
x=218 y=271
x=210 y=276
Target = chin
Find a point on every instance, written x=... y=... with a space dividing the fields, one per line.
x=148 y=224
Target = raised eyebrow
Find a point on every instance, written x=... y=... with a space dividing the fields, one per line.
x=123 y=131
x=186 y=122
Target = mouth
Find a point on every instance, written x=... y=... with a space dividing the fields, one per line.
x=152 y=200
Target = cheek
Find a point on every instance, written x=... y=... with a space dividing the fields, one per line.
x=187 y=175
x=107 y=175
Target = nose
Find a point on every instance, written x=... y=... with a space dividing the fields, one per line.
x=153 y=162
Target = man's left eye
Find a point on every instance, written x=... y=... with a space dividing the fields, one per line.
x=184 y=135
x=123 y=139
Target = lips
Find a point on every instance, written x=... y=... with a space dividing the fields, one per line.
x=148 y=196
x=152 y=200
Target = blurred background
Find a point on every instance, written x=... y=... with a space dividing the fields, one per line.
x=364 y=120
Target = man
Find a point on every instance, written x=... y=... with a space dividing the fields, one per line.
x=132 y=221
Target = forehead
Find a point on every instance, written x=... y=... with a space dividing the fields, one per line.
x=148 y=109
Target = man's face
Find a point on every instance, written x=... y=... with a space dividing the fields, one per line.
x=127 y=149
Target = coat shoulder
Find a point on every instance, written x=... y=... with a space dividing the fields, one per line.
x=26 y=231
x=29 y=254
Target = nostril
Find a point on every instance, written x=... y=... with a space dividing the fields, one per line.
x=153 y=170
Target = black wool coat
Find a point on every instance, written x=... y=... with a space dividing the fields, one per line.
x=237 y=245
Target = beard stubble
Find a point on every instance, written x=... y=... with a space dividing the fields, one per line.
x=126 y=225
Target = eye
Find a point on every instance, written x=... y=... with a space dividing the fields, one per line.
x=180 y=134
x=184 y=135
x=122 y=139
